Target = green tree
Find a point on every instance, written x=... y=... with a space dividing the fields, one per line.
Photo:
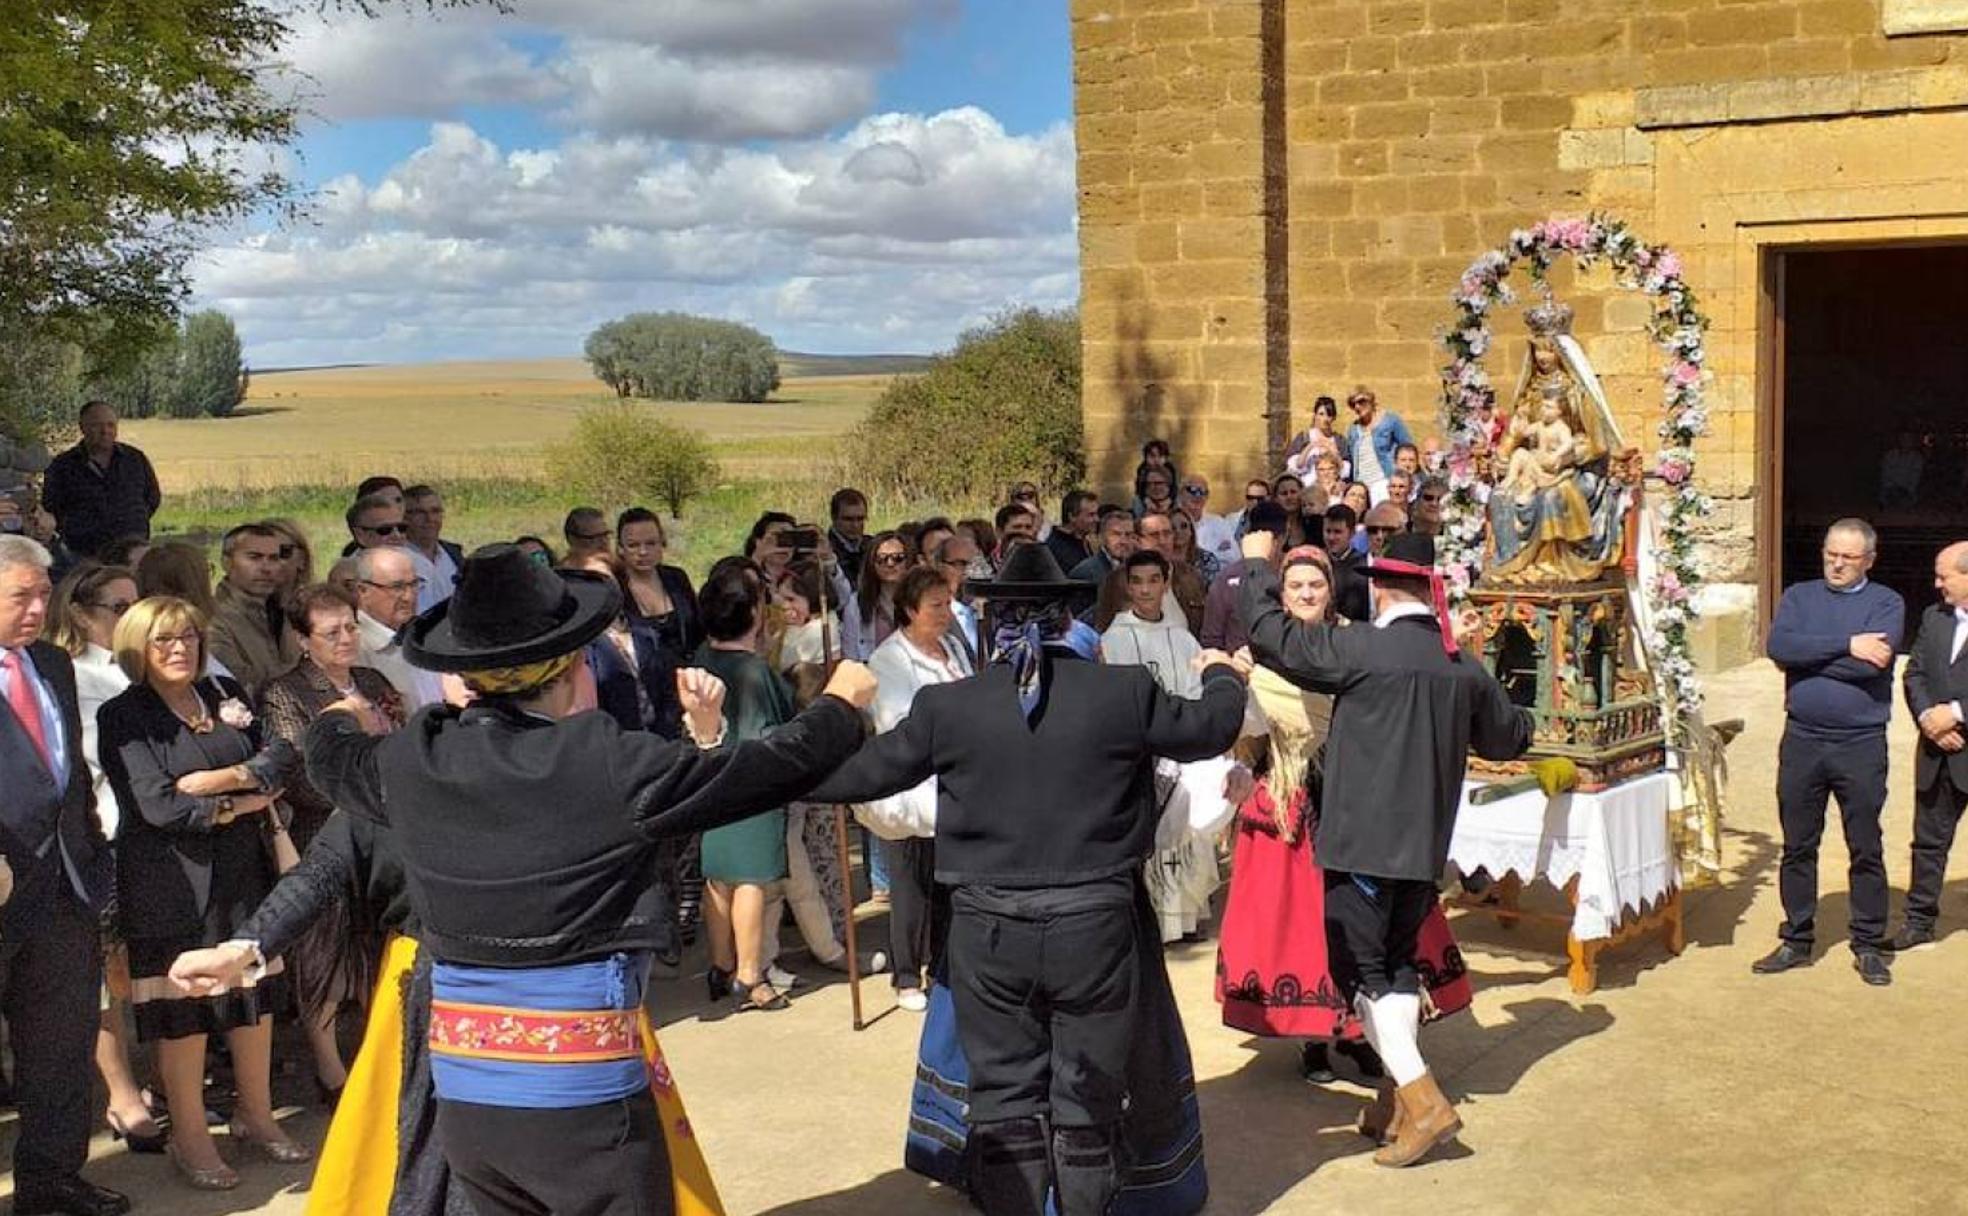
x=211 y=369
x=1004 y=405
x=673 y=356
x=128 y=132
x=622 y=454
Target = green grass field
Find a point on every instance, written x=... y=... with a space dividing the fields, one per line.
x=304 y=439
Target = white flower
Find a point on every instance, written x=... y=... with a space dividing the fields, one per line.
x=235 y=713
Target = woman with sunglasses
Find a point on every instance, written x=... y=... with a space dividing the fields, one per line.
x=82 y=620
x=872 y=617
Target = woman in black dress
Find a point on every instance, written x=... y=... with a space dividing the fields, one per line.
x=197 y=788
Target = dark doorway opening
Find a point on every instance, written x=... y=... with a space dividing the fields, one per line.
x=1873 y=417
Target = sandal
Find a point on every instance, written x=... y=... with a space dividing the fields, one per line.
x=221 y=1179
x=152 y=1141
x=775 y=1000
x=282 y=1151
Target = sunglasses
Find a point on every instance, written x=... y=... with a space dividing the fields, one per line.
x=890 y=559
x=118 y=607
x=385 y=529
x=1257 y=498
x=1380 y=529
x=591 y=537
x=1196 y=491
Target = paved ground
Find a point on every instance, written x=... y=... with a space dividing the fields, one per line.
x=1682 y=1085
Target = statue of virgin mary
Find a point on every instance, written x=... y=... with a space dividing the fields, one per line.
x=1563 y=522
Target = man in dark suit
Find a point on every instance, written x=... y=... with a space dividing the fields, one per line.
x=1046 y=813
x=1407 y=708
x=1936 y=686
x=50 y=956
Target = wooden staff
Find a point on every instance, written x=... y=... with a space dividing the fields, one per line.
x=850 y=931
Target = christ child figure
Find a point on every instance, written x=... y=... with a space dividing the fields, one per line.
x=1549 y=450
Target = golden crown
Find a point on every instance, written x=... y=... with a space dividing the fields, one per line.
x=1549 y=319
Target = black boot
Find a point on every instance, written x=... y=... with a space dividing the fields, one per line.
x=1086 y=1167
x=1010 y=1167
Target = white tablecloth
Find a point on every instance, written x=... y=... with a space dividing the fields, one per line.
x=1614 y=842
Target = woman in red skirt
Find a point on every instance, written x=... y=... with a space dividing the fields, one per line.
x=1272 y=976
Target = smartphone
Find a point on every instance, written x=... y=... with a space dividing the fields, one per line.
x=803 y=538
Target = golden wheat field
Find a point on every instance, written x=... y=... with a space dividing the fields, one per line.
x=441 y=421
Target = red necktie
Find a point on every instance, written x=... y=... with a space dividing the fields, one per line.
x=26 y=707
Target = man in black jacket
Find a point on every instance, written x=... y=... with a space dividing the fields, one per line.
x=528 y=832
x=50 y=957
x=1045 y=815
x=1407 y=708
x=1936 y=686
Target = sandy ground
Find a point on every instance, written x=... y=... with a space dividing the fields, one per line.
x=1681 y=1086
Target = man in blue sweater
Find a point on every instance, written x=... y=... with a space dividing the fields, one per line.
x=1835 y=639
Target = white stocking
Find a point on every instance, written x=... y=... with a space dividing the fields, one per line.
x=1396 y=1034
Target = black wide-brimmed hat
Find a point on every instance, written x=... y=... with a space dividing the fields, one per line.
x=1407 y=555
x=1031 y=573
x=508 y=611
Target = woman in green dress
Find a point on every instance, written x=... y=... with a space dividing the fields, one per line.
x=743 y=859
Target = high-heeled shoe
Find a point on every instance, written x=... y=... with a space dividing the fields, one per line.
x=717 y=981
x=221 y=1179
x=774 y=1001
x=281 y=1152
x=152 y=1141
x=327 y=1096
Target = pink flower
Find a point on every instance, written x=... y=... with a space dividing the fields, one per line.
x=1669 y=265
x=234 y=713
x=1673 y=471
x=1684 y=374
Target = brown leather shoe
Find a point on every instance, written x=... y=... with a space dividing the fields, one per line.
x=1381 y=1121
x=1427 y=1121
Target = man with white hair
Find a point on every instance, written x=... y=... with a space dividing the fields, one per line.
x=386 y=589
x=50 y=951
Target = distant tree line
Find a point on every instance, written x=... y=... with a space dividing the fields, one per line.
x=193 y=370
x=672 y=356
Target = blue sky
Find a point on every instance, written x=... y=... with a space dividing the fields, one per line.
x=848 y=175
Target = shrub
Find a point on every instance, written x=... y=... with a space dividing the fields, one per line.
x=672 y=356
x=211 y=370
x=621 y=454
x=1004 y=405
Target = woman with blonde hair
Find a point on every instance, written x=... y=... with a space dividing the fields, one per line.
x=296 y=552
x=82 y=620
x=197 y=789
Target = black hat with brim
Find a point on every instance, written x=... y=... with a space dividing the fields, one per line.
x=509 y=611
x=1406 y=555
x=1031 y=573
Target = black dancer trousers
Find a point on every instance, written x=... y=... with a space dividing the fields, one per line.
x=1936 y=813
x=602 y=1160
x=1372 y=925
x=915 y=915
x=51 y=969
x=1045 y=984
x=1810 y=769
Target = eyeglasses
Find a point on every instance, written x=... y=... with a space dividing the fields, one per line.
x=591 y=537
x=415 y=584
x=164 y=642
x=1196 y=491
x=114 y=607
x=397 y=529
x=1257 y=498
x=891 y=559
x=1381 y=529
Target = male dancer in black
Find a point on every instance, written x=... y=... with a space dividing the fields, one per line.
x=1045 y=815
x=1407 y=708
x=527 y=832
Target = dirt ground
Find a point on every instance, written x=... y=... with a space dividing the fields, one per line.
x=1682 y=1086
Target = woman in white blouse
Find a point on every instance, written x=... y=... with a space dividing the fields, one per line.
x=923 y=650
x=81 y=620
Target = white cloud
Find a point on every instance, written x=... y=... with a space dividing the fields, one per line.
x=896 y=234
x=649 y=90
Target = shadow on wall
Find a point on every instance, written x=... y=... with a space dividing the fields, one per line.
x=1157 y=402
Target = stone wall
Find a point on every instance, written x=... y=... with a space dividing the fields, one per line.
x=1418 y=133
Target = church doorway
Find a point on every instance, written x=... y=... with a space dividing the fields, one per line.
x=1870 y=416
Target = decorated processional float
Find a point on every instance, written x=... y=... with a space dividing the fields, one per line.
x=1577 y=553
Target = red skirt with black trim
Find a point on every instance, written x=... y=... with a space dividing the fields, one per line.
x=1272 y=974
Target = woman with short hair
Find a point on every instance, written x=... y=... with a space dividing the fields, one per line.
x=331 y=964
x=922 y=651
x=196 y=785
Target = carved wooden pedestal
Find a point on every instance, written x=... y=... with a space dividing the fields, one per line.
x=1663 y=916
x=1566 y=654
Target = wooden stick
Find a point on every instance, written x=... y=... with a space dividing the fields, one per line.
x=848 y=928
